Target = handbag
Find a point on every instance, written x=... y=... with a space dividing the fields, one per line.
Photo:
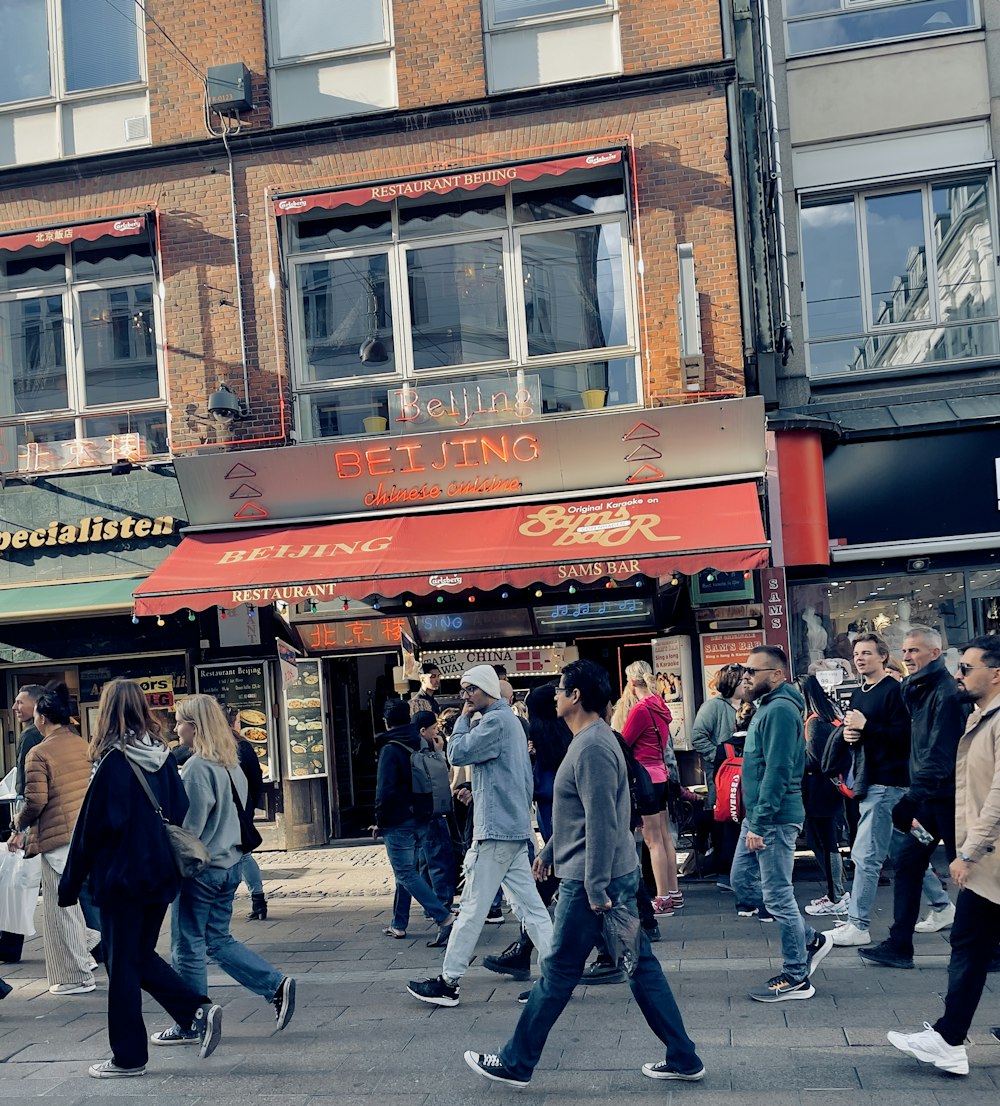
x=250 y=839
x=189 y=854
x=20 y=881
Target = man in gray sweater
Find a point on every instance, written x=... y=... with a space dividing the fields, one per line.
x=593 y=853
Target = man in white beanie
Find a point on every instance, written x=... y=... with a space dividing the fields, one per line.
x=501 y=795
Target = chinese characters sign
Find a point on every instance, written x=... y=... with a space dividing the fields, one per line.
x=359 y=633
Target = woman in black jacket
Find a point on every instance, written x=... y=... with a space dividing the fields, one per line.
x=120 y=843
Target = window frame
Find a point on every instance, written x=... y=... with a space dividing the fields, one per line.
x=925 y=183
x=289 y=61
x=587 y=9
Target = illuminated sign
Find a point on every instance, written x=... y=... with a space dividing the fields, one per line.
x=89 y=530
x=359 y=633
x=491 y=400
x=557 y=616
x=541 y=660
x=76 y=453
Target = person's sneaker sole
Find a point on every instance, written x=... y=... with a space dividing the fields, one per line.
x=822 y=953
x=284 y=1015
x=434 y=1000
x=100 y=1071
x=785 y=996
x=72 y=988
x=953 y=1067
x=687 y=1077
x=495 y=920
x=472 y=1059
x=159 y=1039
x=213 y=1032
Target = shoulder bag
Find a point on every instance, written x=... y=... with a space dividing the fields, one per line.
x=250 y=839
x=188 y=851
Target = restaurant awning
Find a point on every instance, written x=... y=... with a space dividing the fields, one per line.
x=51 y=601
x=123 y=227
x=615 y=538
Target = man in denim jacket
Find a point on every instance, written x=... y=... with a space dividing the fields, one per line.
x=501 y=809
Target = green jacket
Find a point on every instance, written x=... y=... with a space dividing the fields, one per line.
x=774 y=760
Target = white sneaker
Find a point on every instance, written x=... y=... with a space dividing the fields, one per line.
x=72 y=988
x=850 y=934
x=931 y=1048
x=936 y=920
x=823 y=906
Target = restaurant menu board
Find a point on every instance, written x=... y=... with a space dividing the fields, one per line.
x=245 y=686
x=306 y=724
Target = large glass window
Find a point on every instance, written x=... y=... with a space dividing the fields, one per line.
x=818 y=25
x=523 y=291
x=901 y=278
x=79 y=352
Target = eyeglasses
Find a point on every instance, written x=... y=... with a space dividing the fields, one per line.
x=471 y=689
x=965 y=669
x=754 y=671
x=560 y=690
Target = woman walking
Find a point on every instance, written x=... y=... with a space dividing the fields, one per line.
x=56 y=775
x=119 y=842
x=643 y=720
x=203 y=910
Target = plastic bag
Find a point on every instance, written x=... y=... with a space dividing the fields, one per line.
x=20 y=882
x=7 y=785
x=621 y=937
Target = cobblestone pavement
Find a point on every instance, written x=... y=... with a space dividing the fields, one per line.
x=358 y=1038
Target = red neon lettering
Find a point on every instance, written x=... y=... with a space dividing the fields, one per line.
x=348 y=462
x=377 y=457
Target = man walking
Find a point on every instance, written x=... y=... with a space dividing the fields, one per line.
x=593 y=853
x=937 y=720
x=502 y=787
x=976 y=867
x=773 y=763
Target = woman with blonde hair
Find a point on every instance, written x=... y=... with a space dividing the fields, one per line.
x=120 y=844
x=643 y=720
x=203 y=910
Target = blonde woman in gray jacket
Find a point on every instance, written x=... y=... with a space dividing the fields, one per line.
x=203 y=910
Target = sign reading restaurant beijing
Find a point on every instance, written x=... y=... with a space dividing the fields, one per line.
x=664 y=447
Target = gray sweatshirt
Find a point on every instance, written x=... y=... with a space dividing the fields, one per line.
x=212 y=814
x=591 y=814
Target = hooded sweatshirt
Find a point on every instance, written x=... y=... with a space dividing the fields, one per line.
x=647 y=730
x=774 y=760
x=212 y=814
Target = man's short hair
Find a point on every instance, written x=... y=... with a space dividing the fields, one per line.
x=928 y=633
x=592 y=683
x=396 y=712
x=33 y=691
x=428 y=667
x=774 y=654
x=990 y=645
x=874 y=639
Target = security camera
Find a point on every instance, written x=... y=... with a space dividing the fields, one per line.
x=224 y=406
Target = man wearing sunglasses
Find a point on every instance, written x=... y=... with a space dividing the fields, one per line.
x=937 y=721
x=976 y=867
x=502 y=787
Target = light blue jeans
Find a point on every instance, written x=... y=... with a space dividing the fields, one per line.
x=489 y=865
x=764 y=878
x=199 y=931
x=250 y=874
x=871 y=847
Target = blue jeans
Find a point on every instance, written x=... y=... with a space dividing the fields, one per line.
x=765 y=878
x=438 y=866
x=577 y=930
x=871 y=847
x=199 y=931
x=403 y=845
x=250 y=874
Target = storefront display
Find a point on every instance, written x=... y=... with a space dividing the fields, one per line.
x=305 y=721
x=245 y=687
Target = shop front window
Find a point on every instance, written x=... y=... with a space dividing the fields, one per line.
x=826 y=617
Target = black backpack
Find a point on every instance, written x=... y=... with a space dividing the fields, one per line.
x=429 y=779
x=640 y=787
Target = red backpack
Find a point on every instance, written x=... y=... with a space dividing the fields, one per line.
x=729 y=787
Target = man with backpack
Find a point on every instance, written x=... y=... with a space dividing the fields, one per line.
x=773 y=763
x=403 y=815
x=502 y=787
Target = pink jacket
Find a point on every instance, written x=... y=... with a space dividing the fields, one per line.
x=647 y=730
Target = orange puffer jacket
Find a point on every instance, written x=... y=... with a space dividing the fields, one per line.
x=56 y=777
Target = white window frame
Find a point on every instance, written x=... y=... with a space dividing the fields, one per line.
x=275 y=61
x=924 y=185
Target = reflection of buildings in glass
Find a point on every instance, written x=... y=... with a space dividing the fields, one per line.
x=964 y=260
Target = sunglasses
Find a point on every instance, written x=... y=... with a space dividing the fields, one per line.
x=965 y=669
x=754 y=671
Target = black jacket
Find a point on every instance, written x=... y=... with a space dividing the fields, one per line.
x=886 y=736
x=251 y=769
x=119 y=841
x=30 y=737
x=394 y=799
x=937 y=722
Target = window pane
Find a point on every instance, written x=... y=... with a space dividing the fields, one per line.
x=897 y=258
x=32 y=268
x=109 y=258
x=458 y=308
x=563 y=386
x=100 y=43
x=504 y=11
x=477 y=213
x=870 y=24
x=599 y=197
x=24 y=51
x=320 y=26
x=574 y=289
x=342 y=413
x=830 y=269
x=141 y=434
x=119 y=345
x=327 y=233
x=344 y=318
x=887 y=350
x=965 y=250
x=31 y=337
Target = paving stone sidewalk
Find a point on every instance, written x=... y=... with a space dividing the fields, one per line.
x=358 y=1039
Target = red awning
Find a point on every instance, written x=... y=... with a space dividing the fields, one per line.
x=443 y=183
x=557 y=543
x=79 y=232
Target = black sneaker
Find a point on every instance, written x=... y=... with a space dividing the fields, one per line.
x=664 y=1070
x=886 y=955
x=602 y=971
x=208 y=1024
x=514 y=961
x=523 y=997
x=284 y=1001
x=652 y=934
x=782 y=988
x=490 y=1065
x=438 y=992
x=995 y=1031
x=817 y=949
x=764 y=915
x=495 y=917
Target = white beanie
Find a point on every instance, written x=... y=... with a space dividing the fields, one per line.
x=485 y=678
